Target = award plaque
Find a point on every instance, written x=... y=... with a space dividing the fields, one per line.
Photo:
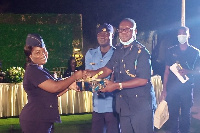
x=175 y=68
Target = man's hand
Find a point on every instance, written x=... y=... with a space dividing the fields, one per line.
x=110 y=86
x=183 y=72
x=163 y=95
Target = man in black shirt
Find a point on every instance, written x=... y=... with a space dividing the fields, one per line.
x=179 y=93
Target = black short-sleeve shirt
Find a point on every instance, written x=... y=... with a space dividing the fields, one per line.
x=188 y=59
x=42 y=105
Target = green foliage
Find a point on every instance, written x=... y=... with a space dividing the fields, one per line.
x=14 y=75
x=58 y=32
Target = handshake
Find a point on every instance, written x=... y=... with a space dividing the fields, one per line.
x=90 y=83
x=86 y=82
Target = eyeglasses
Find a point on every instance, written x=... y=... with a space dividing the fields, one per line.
x=125 y=30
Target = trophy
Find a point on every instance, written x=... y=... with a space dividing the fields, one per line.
x=91 y=84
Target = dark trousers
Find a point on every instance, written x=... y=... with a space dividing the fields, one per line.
x=104 y=123
x=36 y=127
x=179 y=105
x=141 y=122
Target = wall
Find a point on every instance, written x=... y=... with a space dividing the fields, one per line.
x=58 y=32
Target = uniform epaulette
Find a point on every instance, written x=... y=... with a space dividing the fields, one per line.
x=139 y=46
x=91 y=48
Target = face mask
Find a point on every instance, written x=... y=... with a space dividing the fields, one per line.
x=182 y=39
x=129 y=41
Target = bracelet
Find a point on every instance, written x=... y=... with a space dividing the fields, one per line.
x=120 y=86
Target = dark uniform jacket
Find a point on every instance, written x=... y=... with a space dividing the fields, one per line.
x=129 y=63
x=42 y=105
x=188 y=59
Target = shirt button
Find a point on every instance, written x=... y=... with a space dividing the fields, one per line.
x=120 y=95
x=135 y=95
x=50 y=106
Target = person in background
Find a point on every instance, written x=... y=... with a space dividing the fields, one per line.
x=179 y=96
x=103 y=115
x=71 y=67
x=41 y=111
x=132 y=72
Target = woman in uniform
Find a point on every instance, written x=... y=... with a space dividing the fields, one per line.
x=41 y=111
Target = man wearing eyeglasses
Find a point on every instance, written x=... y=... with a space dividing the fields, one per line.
x=132 y=71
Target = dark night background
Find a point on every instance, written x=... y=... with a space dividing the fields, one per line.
x=149 y=14
x=160 y=15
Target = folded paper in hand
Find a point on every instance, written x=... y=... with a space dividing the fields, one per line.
x=161 y=115
x=174 y=68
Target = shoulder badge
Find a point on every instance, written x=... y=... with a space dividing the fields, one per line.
x=139 y=46
x=91 y=48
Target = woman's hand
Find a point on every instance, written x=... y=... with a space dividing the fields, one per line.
x=74 y=86
x=86 y=74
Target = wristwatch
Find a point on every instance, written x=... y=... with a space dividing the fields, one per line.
x=120 y=86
